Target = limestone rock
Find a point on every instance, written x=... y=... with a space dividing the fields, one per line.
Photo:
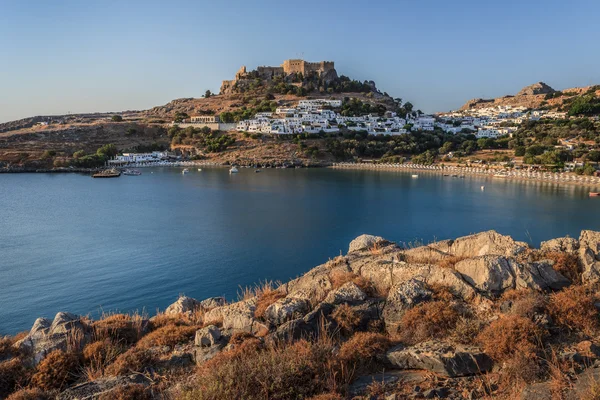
x=45 y=337
x=347 y=293
x=484 y=243
x=183 y=304
x=364 y=242
x=308 y=326
x=207 y=336
x=536 y=88
x=312 y=286
x=441 y=358
x=91 y=390
x=539 y=276
x=238 y=317
x=212 y=302
x=589 y=255
x=286 y=309
x=564 y=244
x=488 y=274
x=401 y=298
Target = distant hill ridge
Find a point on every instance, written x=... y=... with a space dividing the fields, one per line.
x=537 y=95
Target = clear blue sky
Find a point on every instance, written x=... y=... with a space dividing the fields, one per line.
x=105 y=55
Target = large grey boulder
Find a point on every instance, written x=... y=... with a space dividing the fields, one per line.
x=564 y=244
x=238 y=317
x=364 y=242
x=212 y=302
x=286 y=309
x=313 y=285
x=480 y=244
x=491 y=275
x=488 y=274
x=401 y=298
x=349 y=292
x=207 y=336
x=441 y=358
x=93 y=389
x=308 y=326
x=45 y=337
x=589 y=256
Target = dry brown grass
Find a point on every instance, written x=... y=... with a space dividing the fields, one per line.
x=326 y=396
x=12 y=375
x=450 y=262
x=346 y=318
x=98 y=355
x=5 y=347
x=567 y=264
x=134 y=391
x=431 y=320
x=168 y=335
x=376 y=249
x=339 y=277
x=240 y=337
x=287 y=371
x=505 y=336
x=56 y=371
x=256 y=291
x=161 y=319
x=119 y=327
x=525 y=302
x=518 y=370
x=32 y=394
x=362 y=348
x=573 y=309
x=133 y=360
x=267 y=297
x=466 y=330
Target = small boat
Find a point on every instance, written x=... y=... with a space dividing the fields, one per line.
x=233 y=170
x=185 y=171
x=594 y=194
x=257 y=171
x=132 y=172
x=199 y=169
x=482 y=187
x=107 y=173
x=414 y=176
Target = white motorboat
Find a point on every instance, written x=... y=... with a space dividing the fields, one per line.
x=185 y=171
x=233 y=170
x=414 y=176
x=199 y=169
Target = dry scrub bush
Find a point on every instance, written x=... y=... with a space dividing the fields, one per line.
x=346 y=318
x=256 y=291
x=431 y=320
x=133 y=360
x=450 y=262
x=338 y=278
x=56 y=371
x=119 y=327
x=525 y=303
x=466 y=330
x=573 y=308
x=518 y=370
x=168 y=335
x=289 y=371
x=134 y=391
x=32 y=394
x=326 y=396
x=240 y=336
x=376 y=249
x=360 y=350
x=505 y=336
x=567 y=264
x=265 y=299
x=12 y=375
x=5 y=347
x=97 y=355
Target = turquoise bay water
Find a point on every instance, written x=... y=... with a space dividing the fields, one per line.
x=72 y=243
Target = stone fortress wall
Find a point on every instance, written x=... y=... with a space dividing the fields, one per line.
x=288 y=67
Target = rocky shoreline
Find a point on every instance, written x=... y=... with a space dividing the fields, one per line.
x=481 y=316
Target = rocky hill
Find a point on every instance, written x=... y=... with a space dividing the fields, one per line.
x=537 y=95
x=478 y=317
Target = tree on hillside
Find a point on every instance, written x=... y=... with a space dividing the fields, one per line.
x=107 y=151
x=207 y=94
x=227 y=117
x=117 y=118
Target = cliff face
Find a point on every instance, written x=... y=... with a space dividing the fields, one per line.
x=444 y=317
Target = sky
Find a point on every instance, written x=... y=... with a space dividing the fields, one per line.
x=102 y=55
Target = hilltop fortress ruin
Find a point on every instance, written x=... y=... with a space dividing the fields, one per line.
x=324 y=70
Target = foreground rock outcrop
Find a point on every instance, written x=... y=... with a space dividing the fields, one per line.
x=441 y=316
